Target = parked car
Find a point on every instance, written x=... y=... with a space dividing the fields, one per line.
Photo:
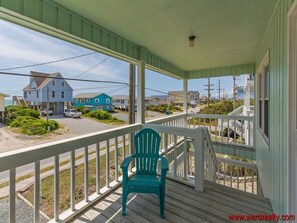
x=44 y=112
x=73 y=113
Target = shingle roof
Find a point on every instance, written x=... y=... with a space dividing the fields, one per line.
x=87 y=95
x=42 y=79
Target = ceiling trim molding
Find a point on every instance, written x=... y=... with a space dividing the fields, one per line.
x=233 y=70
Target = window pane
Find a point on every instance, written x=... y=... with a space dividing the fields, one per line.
x=266 y=118
x=266 y=83
x=260 y=114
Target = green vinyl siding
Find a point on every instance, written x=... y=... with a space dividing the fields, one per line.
x=272 y=156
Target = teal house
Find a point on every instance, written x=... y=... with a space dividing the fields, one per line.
x=94 y=101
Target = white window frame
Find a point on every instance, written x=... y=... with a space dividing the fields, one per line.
x=82 y=101
x=63 y=83
x=62 y=94
x=53 y=94
x=76 y=100
x=53 y=83
x=88 y=100
x=107 y=101
x=97 y=100
x=261 y=88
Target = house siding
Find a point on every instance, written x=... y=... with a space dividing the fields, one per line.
x=58 y=88
x=272 y=158
x=96 y=105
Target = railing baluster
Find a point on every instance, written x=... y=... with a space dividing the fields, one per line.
x=98 y=168
x=72 y=180
x=231 y=176
x=245 y=179
x=185 y=158
x=12 y=202
x=228 y=130
x=116 y=160
x=107 y=163
x=86 y=173
x=56 y=188
x=237 y=178
x=252 y=181
x=241 y=131
x=36 y=191
x=234 y=135
x=124 y=147
x=222 y=130
x=249 y=132
x=216 y=130
x=224 y=173
x=175 y=156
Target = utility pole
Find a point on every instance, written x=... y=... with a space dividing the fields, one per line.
x=47 y=108
x=234 y=92
x=208 y=90
x=219 y=89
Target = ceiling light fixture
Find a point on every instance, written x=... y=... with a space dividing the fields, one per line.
x=192 y=41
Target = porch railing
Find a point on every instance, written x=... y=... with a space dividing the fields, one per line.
x=110 y=148
x=225 y=128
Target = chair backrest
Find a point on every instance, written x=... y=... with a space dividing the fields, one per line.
x=147 y=143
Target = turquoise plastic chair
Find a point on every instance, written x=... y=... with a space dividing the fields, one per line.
x=147 y=143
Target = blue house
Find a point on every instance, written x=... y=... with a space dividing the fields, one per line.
x=94 y=101
x=45 y=87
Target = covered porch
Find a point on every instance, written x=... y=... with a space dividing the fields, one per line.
x=232 y=37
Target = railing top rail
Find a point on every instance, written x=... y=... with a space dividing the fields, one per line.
x=20 y=157
x=179 y=131
x=166 y=119
x=208 y=139
x=227 y=117
x=238 y=163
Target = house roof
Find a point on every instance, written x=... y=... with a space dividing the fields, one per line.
x=5 y=95
x=120 y=97
x=160 y=96
x=88 y=95
x=42 y=79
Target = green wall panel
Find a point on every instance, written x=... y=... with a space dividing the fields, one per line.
x=49 y=15
x=13 y=5
x=31 y=8
x=272 y=157
x=64 y=21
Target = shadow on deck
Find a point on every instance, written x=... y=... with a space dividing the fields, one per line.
x=183 y=204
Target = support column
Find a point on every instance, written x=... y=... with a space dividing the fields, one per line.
x=185 y=95
x=141 y=92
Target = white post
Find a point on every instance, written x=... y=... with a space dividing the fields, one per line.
x=185 y=95
x=199 y=159
x=141 y=92
x=246 y=107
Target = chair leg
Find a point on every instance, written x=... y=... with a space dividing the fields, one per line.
x=162 y=203
x=124 y=201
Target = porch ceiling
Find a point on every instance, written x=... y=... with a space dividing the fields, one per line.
x=228 y=32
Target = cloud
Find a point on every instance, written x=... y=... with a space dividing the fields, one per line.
x=21 y=46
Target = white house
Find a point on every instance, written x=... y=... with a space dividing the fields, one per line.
x=2 y=105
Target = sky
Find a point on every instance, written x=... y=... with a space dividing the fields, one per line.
x=21 y=46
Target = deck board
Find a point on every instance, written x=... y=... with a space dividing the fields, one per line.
x=183 y=204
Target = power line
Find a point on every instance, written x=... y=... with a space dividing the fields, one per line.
x=101 y=62
x=64 y=78
x=49 y=62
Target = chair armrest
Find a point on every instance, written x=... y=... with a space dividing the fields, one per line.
x=126 y=162
x=164 y=163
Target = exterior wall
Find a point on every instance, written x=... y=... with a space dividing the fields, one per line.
x=32 y=96
x=58 y=88
x=272 y=158
x=96 y=105
x=2 y=103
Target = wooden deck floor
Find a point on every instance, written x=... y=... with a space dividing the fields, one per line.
x=183 y=204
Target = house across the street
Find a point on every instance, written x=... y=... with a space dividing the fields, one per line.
x=94 y=101
x=120 y=102
x=2 y=105
x=45 y=87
